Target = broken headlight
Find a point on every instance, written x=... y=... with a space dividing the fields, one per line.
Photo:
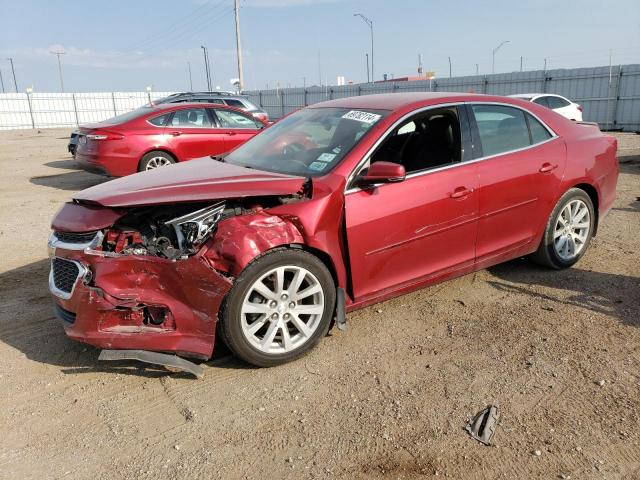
x=193 y=228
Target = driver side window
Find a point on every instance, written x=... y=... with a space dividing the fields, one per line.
x=427 y=140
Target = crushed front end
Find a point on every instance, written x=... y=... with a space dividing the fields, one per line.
x=143 y=282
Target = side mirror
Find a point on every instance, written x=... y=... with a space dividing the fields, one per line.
x=383 y=172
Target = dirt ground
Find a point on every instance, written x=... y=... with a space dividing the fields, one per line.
x=558 y=352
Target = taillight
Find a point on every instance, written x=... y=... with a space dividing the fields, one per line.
x=579 y=107
x=104 y=135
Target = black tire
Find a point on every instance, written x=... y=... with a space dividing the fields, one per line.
x=155 y=156
x=229 y=325
x=546 y=254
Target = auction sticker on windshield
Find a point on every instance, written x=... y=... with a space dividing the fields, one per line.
x=364 y=117
x=326 y=157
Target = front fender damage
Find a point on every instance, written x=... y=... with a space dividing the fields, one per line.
x=239 y=240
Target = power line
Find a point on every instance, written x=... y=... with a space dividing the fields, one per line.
x=179 y=24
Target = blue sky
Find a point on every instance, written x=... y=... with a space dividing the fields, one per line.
x=127 y=45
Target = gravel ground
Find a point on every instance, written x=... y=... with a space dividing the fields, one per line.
x=558 y=352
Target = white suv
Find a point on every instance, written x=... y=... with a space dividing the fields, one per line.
x=557 y=103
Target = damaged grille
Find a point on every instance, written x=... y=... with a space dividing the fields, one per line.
x=65 y=273
x=79 y=238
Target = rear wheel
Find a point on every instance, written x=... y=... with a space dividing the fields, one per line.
x=278 y=308
x=153 y=160
x=568 y=231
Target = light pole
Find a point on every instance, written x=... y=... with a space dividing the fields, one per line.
x=493 y=60
x=15 y=84
x=2 y=81
x=206 y=66
x=57 y=54
x=190 y=79
x=367 y=58
x=239 y=47
x=370 y=23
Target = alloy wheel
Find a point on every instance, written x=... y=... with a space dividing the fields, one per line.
x=572 y=230
x=282 y=309
x=156 y=162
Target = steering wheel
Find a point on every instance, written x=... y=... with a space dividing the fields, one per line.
x=291 y=149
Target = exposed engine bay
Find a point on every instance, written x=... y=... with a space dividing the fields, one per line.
x=176 y=231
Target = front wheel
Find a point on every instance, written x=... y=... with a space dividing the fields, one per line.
x=568 y=231
x=278 y=308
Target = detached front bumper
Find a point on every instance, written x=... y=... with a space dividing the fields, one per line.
x=136 y=302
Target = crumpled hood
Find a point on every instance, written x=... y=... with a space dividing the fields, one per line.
x=193 y=181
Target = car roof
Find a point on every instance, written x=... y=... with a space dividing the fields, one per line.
x=161 y=107
x=396 y=101
x=531 y=95
x=177 y=106
x=207 y=94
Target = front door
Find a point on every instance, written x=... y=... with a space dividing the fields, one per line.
x=400 y=234
x=237 y=127
x=191 y=134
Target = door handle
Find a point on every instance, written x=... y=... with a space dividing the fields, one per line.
x=176 y=134
x=231 y=133
x=461 y=192
x=547 y=167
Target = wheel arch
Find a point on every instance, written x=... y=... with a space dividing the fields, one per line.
x=158 y=149
x=592 y=192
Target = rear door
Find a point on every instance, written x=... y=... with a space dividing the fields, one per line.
x=520 y=164
x=191 y=134
x=237 y=127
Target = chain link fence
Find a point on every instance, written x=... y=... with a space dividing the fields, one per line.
x=50 y=110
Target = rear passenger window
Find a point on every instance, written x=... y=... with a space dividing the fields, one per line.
x=235 y=103
x=160 y=120
x=542 y=101
x=557 y=102
x=191 y=118
x=501 y=129
x=538 y=132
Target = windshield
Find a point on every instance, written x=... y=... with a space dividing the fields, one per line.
x=307 y=143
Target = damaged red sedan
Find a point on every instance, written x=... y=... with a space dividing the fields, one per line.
x=340 y=205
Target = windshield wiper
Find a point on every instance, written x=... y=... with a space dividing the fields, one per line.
x=219 y=158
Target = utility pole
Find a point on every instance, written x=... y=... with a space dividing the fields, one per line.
x=206 y=66
x=2 y=81
x=477 y=69
x=370 y=23
x=493 y=60
x=304 y=82
x=239 y=47
x=57 y=54
x=520 y=62
x=367 y=58
x=545 y=64
x=15 y=84
x=449 y=66
x=190 y=79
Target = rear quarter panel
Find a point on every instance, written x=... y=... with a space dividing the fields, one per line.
x=591 y=159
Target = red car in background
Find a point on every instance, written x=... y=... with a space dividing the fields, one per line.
x=159 y=135
x=337 y=206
